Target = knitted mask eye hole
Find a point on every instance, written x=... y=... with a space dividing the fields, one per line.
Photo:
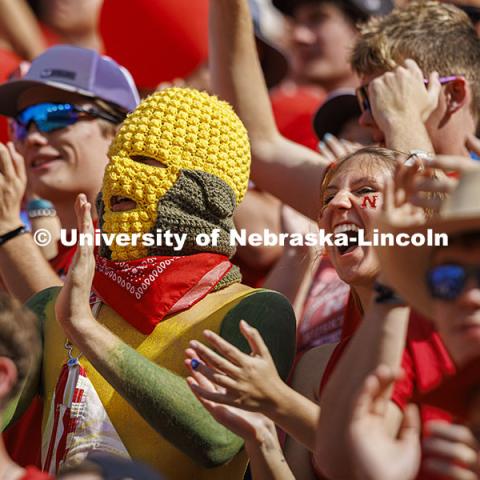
x=148 y=161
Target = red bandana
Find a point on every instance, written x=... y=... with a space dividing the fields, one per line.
x=144 y=291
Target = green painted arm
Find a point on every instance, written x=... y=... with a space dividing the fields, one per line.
x=32 y=385
x=164 y=399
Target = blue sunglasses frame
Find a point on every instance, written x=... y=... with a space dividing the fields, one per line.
x=49 y=117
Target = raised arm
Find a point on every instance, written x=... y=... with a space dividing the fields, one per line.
x=261 y=442
x=285 y=169
x=21 y=28
x=23 y=268
x=160 y=396
x=380 y=339
x=401 y=104
x=251 y=382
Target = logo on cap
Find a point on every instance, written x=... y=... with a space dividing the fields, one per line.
x=55 y=72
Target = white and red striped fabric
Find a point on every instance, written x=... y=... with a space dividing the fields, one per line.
x=77 y=422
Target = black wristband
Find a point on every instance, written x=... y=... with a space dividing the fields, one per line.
x=12 y=234
x=387 y=295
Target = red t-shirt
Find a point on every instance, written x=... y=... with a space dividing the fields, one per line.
x=293 y=108
x=425 y=362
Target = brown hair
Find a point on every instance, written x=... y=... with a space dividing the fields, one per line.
x=438 y=36
x=19 y=339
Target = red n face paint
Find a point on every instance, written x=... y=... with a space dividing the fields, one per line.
x=371 y=200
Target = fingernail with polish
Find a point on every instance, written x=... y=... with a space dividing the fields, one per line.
x=328 y=136
x=321 y=145
x=194 y=363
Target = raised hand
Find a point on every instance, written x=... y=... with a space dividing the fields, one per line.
x=334 y=149
x=241 y=422
x=376 y=454
x=250 y=381
x=13 y=183
x=73 y=304
x=401 y=96
x=397 y=211
x=428 y=190
x=451 y=451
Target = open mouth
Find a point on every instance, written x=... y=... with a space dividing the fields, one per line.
x=122 y=204
x=348 y=232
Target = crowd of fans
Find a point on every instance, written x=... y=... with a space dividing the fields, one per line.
x=127 y=360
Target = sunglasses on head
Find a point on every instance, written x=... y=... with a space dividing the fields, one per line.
x=447 y=282
x=364 y=102
x=48 y=117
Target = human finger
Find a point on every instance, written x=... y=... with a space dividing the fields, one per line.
x=448 y=470
x=254 y=339
x=452 y=451
x=411 y=425
x=326 y=152
x=215 y=377
x=388 y=195
x=452 y=433
x=429 y=184
x=6 y=165
x=453 y=163
x=217 y=397
x=18 y=161
x=423 y=201
x=213 y=359
x=224 y=348
x=335 y=145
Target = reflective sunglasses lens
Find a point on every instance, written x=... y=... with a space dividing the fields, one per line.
x=446 y=281
x=47 y=117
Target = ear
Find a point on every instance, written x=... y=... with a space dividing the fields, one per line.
x=8 y=377
x=457 y=94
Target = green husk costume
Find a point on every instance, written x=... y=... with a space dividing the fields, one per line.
x=180 y=162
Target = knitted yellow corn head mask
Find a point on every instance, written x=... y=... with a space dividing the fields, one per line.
x=175 y=131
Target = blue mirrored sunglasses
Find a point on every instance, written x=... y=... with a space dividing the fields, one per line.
x=447 y=281
x=48 y=117
x=364 y=102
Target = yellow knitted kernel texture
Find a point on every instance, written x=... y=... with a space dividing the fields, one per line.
x=183 y=129
x=145 y=185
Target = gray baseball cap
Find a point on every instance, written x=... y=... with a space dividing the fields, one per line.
x=77 y=70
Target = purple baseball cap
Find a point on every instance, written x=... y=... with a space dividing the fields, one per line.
x=77 y=70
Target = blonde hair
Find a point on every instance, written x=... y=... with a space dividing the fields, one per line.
x=438 y=36
x=384 y=158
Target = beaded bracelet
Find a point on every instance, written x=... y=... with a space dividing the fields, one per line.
x=42 y=212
